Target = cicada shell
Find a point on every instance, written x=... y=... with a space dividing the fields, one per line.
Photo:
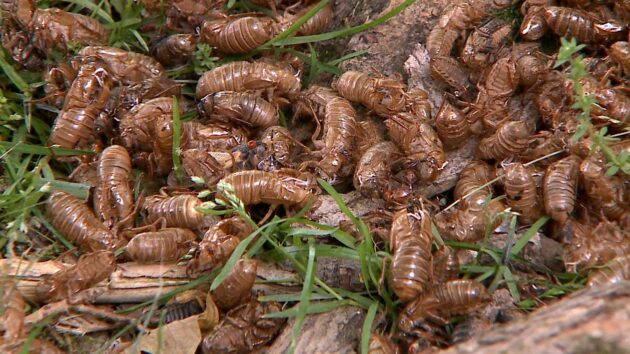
x=472 y=186
x=138 y=128
x=74 y=127
x=21 y=48
x=522 y=193
x=373 y=170
x=420 y=143
x=468 y=224
x=74 y=220
x=315 y=25
x=237 y=286
x=175 y=211
x=56 y=29
x=445 y=265
x=166 y=245
x=18 y=12
x=412 y=265
x=244 y=330
x=339 y=141
x=133 y=95
x=240 y=107
x=510 y=139
x=586 y=247
x=113 y=200
x=613 y=272
x=567 y=22
x=502 y=80
x=483 y=44
x=209 y=166
x=12 y=313
x=449 y=71
x=218 y=243
x=382 y=345
x=240 y=76
x=211 y=137
x=237 y=35
x=184 y=305
x=384 y=96
x=451 y=126
x=185 y=16
x=91 y=269
x=279 y=147
x=531 y=65
x=542 y=144
x=254 y=187
x=560 y=188
x=58 y=81
x=447 y=299
x=441 y=41
x=534 y=25
x=175 y=49
x=620 y=52
x=605 y=193
x=126 y=67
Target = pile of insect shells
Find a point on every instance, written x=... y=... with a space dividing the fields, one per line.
x=365 y=132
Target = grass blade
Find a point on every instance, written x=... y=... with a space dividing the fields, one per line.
x=79 y=190
x=358 y=223
x=94 y=8
x=302 y=231
x=366 y=248
x=509 y=239
x=498 y=279
x=344 y=32
x=511 y=284
x=476 y=269
x=487 y=274
x=305 y=298
x=22 y=148
x=518 y=246
x=13 y=75
x=319 y=307
x=296 y=25
x=348 y=56
x=293 y=297
x=367 y=328
x=436 y=234
x=34 y=333
x=343 y=237
x=140 y=40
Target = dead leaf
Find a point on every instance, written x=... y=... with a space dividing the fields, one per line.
x=179 y=337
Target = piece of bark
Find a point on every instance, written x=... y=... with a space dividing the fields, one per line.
x=594 y=320
x=133 y=282
x=129 y=283
x=337 y=331
x=341 y=273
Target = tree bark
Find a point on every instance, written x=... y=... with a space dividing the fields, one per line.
x=337 y=331
x=595 y=320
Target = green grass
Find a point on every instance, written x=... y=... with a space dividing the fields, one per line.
x=568 y=54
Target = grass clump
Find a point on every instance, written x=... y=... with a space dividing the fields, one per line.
x=584 y=103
